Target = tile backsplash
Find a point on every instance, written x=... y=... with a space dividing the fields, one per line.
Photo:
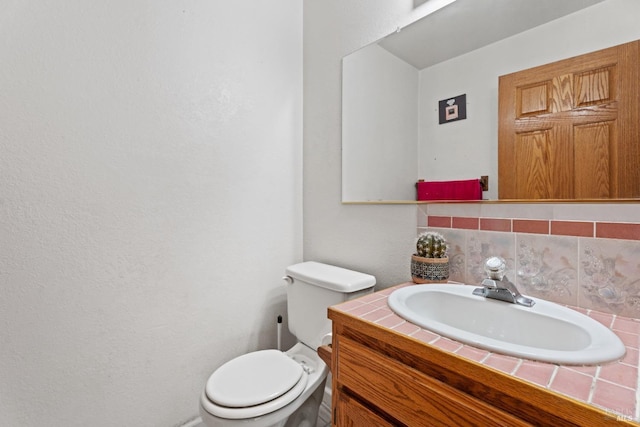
x=550 y=253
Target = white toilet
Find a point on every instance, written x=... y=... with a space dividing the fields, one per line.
x=273 y=388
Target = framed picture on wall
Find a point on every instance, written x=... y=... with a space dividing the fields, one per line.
x=453 y=109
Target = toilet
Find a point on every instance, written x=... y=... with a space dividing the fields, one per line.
x=273 y=388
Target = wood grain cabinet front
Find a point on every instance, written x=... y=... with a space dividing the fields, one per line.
x=351 y=413
x=408 y=396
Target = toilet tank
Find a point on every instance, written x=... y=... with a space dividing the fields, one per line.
x=312 y=288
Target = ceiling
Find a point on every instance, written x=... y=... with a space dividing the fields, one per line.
x=467 y=25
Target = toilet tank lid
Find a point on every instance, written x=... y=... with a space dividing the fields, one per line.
x=331 y=277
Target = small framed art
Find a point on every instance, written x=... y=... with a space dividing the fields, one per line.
x=453 y=109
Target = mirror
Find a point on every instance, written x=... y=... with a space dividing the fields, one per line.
x=391 y=134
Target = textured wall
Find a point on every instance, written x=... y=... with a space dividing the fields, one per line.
x=150 y=199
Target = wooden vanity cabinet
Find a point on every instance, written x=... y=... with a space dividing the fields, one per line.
x=383 y=378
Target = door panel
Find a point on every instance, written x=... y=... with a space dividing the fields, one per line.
x=592 y=160
x=570 y=129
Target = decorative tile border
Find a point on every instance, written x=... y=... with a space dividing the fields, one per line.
x=611 y=230
x=495 y=224
x=618 y=230
x=530 y=226
x=612 y=387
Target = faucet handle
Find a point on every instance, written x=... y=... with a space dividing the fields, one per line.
x=495 y=267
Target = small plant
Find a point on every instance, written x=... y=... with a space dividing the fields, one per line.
x=431 y=245
x=430 y=263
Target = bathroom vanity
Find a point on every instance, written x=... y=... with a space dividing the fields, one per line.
x=385 y=373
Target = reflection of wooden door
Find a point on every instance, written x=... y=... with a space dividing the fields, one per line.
x=570 y=129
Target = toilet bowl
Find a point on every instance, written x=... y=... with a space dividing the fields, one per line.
x=273 y=388
x=266 y=388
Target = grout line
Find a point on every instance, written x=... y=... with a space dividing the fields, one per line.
x=553 y=376
x=592 y=390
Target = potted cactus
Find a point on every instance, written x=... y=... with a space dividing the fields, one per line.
x=430 y=263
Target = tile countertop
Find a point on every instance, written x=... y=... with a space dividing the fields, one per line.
x=612 y=386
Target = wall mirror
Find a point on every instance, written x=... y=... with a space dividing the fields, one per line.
x=391 y=135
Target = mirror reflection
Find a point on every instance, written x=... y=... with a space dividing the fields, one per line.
x=391 y=89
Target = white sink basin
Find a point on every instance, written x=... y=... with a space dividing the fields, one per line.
x=546 y=332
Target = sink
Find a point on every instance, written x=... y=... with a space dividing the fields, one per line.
x=546 y=332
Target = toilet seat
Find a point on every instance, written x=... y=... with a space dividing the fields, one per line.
x=254 y=384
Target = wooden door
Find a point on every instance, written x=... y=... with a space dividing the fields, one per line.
x=569 y=130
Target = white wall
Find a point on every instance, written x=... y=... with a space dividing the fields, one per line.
x=469 y=148
x=377 y=239
x=379 y=136
x=150 y=199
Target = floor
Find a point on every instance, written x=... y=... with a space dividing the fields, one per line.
x=324 y=415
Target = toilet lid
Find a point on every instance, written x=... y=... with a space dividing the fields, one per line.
x=253 y=379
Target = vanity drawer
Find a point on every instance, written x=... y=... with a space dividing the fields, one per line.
x=407 y=395
x=351 y=413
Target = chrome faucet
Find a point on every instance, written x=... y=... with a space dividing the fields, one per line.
x=497 y=286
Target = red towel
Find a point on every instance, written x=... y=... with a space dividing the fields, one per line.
x=469 y=189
